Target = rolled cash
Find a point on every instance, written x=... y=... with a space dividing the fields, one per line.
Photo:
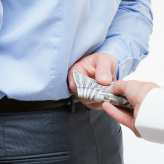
x=88 y=88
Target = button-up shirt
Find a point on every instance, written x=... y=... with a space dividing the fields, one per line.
x=41 y=40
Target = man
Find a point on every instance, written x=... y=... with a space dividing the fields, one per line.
x=147 y=118
x=41 y=42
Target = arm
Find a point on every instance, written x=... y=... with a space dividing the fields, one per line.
x=149 y=121
x=1 y=14
x=128 y=36
x=126 y=44
x=147 y=118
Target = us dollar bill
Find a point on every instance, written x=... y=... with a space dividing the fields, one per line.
x=88 y=88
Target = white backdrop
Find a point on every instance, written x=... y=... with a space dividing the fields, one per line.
x=139 y=151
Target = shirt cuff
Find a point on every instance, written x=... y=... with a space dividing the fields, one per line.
x=150 y=117
x=126 y=64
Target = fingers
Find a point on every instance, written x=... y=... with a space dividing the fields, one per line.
x=134 y=91
x=72 y=85
x=85 y=67
x=97 y=106
x=119 y=88
x=121 y=116
x=100 y=66
x=126 y=88
x=90 y=103
x=114 y=79
x=71 y=82
x=85 y=101
x=106 y=67
x=103 y=77
x=118 y=115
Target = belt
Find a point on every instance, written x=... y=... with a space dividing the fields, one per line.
x=11 y=105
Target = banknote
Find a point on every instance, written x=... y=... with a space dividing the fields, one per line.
x=88 y=88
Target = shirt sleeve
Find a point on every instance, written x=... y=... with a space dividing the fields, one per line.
x=128 y=36
x=150 y=117
x=1 y=14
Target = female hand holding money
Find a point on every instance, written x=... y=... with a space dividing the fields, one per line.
x=135 y=93
x=99 y=66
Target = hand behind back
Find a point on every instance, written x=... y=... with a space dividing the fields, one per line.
x=99 y=66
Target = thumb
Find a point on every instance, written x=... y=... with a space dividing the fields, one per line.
x=103 y=74
x=106 y=68
x=119 y=88
x=103 y=77
x=126 y=88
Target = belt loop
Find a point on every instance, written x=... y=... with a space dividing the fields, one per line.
x=72 y=104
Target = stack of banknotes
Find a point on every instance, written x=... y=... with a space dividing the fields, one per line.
x=88 y=88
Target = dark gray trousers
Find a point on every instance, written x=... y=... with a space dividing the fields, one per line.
x=57 y=136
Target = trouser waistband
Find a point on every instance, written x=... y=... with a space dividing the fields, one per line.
x=11 y=105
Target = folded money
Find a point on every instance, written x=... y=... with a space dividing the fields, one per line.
x=88 y=88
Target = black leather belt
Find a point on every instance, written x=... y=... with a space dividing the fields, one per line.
x=11 y=105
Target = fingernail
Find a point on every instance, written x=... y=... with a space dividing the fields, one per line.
x=104 y=77
x=110 y=89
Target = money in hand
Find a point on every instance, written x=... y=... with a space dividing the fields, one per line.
x=88 y=88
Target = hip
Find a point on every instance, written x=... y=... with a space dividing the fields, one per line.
x=58 y=136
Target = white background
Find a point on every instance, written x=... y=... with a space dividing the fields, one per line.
x=139 y=151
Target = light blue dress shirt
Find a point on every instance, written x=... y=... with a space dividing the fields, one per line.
x=41 y=40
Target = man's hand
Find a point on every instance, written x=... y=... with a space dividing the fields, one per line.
x=99 y=66
x=135 y=92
